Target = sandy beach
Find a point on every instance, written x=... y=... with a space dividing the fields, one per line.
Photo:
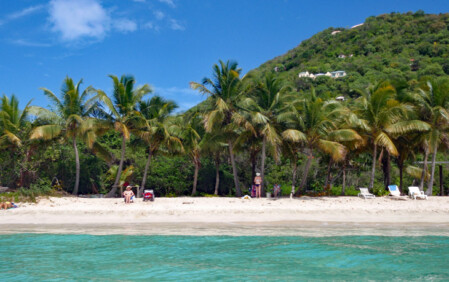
x=179 y=215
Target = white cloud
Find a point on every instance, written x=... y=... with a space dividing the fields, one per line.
x=75 y=19
x=21 y=13
x=175 y=25
x=125 y=25
x=25 y=12
x=151 y=25
x=168 y=2
x=159 y=15
x=23 y=42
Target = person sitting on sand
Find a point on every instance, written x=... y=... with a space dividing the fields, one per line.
x=128 y=194
x=276 y=190
x=258 y=182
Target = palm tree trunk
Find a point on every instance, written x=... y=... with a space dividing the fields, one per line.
x=253 y=166
x=424 y=169
x=386 y=168
x=306 y=173
x=373 y=169
x=294 y=170
x=264 y=144
x=238 y=192
x=217 y=173
x=432 y=173
x=328 y=177
x=195 y=176
x=401 y=168
x=343 y=185
x=145 y=173
x=23 y=171
x=77 y=161
x=119 y=171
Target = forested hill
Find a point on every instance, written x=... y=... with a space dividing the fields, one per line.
x=390 y=46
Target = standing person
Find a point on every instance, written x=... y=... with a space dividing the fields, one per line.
x=258 y=182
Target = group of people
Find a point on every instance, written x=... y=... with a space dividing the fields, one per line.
x=256 y=190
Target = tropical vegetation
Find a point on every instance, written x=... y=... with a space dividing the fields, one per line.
x=386 y=116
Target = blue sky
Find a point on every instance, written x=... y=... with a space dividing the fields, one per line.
x=166 y=43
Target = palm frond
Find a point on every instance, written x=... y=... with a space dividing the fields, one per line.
x=404 y=127
x=46 y=132
x=294 y=135
x=336 y=150
x=385 y=141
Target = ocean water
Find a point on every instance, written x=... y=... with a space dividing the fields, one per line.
x=58 y=257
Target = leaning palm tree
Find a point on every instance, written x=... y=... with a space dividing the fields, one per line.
x=122 y=114
x=432 y=101
x=313 y=124
x=383 y=117
x=68 y=118
x=224 y=90
x=156 y=132
x=266 y=101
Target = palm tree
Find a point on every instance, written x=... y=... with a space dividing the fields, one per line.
x=12 y=121
x=248 y=141
x=313 y=124
x=224 y=94
x=213 y=143
x=14 y=128
x=70 y=114
x=189 y=129
x=122 y=114
x=432 y=101
x=291 y=150
x=266 y=101
x=157 y=132
x=383 y=117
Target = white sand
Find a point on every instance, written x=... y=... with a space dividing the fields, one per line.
x=216 y=210
x=222 y=214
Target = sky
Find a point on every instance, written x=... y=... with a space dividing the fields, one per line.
x=165 y=43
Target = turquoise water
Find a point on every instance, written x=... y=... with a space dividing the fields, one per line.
x=28 y=257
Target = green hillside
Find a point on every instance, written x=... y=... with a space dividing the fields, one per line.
x=390 y=46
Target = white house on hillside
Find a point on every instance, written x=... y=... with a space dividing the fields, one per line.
x=337 y=74
x=334 y=74
x=306 y=74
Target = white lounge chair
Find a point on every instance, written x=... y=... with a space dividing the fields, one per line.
x=394 y=190
x=414 y=192
x=395 y=193
x=365 y=194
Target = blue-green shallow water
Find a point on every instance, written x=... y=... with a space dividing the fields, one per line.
x=28 y=257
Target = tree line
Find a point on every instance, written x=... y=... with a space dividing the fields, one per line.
x=256 y=122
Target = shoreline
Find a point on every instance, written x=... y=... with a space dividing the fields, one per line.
x=228 y=216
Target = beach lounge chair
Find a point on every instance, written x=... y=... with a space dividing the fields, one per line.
x=414 y=192
x=395 y=193
x=365 y=194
